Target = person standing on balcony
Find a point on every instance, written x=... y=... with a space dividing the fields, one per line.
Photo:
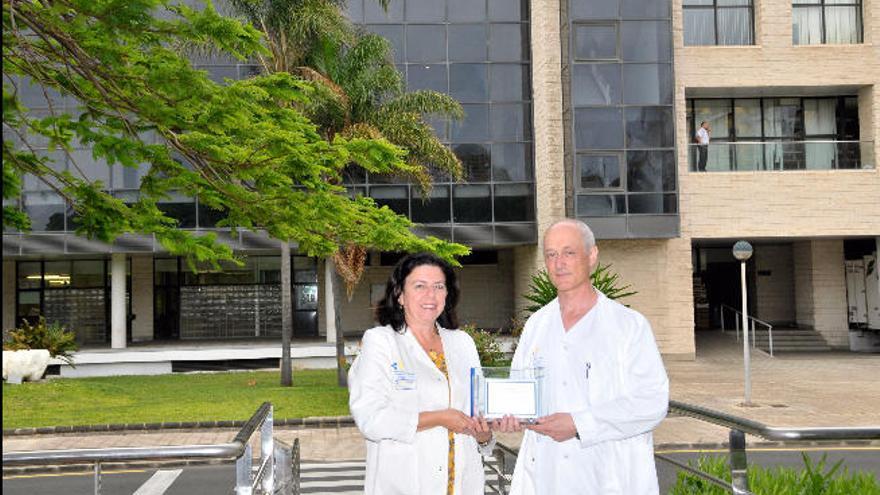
x=702 y=140
x=604 y=383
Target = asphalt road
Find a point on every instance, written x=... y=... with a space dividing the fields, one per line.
x=347 y=478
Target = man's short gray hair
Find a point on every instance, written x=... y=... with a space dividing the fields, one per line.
x=586 y=233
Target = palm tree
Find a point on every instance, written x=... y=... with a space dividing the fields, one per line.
x=359 y=93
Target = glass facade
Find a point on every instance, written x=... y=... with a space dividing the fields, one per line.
x=815 y=22
x=779 y=133
x=233 y=302
x=719 y=22
x=477 y=51
x=621 y=147
x=74 y=293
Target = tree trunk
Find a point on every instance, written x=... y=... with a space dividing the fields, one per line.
x=286 y=315
x=335 y=282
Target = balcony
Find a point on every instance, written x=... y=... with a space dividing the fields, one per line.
x=783 y=155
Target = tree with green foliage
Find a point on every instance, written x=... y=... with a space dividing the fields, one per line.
x=246 y=148
x=360 y=94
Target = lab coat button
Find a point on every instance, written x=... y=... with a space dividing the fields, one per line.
x=565 y=383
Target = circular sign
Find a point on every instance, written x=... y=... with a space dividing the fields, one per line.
x=742 y=250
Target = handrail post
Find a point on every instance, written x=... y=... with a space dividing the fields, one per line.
x=97 y=478
x=267 y=448
x=738 y=463
x=754 y=340
x=770 y=334
x=722 y=319
x=736 y=314
x=243 y=468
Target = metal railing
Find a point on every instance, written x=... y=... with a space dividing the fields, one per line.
x=738 y=426
x=248 y=480
x=782 y=155
x=753 y=322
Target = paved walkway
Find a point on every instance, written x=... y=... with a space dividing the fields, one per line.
x=824 y=389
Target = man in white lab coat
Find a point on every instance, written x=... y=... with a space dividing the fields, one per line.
x=606 y=388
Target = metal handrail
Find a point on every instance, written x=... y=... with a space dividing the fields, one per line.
x=753 y=320
x=774 y=433
x=739 y=427
x=239 y=448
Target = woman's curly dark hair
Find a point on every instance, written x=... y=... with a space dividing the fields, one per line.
x=390 y=312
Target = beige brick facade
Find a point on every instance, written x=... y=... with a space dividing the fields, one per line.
x=774 y=300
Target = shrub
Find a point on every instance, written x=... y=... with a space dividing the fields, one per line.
x=60 y=342
x=542 y=291
x=814 y=479
x=487 y=345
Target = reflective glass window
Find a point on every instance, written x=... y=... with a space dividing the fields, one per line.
x=469 y=83
x=433 y=209
x=421 y=11
x=598 y=128
x=596 y=205
x=645 y=41
x=467 y=43
x=649 y=127
x=425 y=43
x=647 y=84
x=29 y=274
x=648 y=9
x=475 y=160
x=597 y=171
x=509 y=122
x=508 y=82
x=649 y=171
x=466 y=10
x=474 y=127
x=427 y=76
x=595 y=41
x=583 y=9
x=394 y=197
x=596 y=84
x=514 y=202
x=46 y=211
x=507 y=43
x=505 y=10
x=472 y=203
x=510 y=162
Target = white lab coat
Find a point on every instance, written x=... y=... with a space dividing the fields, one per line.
x=607 y=373
x=399 y=459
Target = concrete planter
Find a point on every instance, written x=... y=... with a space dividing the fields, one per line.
x=29 y=364
x=864 y=340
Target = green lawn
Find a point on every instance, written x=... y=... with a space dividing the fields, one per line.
x=177 y=397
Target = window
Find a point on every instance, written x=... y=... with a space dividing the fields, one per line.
x=815 y=22
x=718 y=22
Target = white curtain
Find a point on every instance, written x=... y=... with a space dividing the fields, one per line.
x=806 y=25
x=820 y=119
x=841 y=24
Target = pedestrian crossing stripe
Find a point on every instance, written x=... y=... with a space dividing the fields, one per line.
x=347 y=477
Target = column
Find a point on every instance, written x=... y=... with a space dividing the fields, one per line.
x=118 y=314
x=329 y=301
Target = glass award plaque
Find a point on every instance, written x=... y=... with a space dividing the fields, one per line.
x=502 y=391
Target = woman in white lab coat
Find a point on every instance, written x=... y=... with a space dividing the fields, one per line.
x=410 y=388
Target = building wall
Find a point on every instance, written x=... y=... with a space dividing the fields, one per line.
x=656 y=270
x=773 y=204
x=820 y=289
x=829 y=292
x=775 y=283
x=8 y=294
x=142 y=298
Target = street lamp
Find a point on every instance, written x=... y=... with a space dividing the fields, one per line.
x=742 y=251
